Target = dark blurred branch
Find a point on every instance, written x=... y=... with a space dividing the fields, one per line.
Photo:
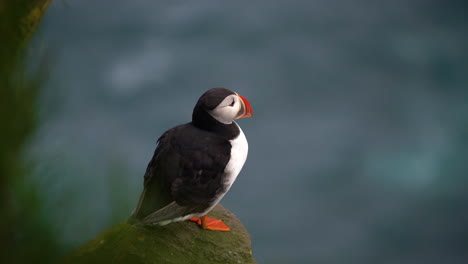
x=18 y=95
x=21 y=230
x=20 y=18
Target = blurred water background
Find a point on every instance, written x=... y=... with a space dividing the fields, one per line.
x=358 y=146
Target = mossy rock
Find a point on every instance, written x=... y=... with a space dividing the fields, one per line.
x=176 y=243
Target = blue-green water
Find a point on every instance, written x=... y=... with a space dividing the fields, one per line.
x=357 y=147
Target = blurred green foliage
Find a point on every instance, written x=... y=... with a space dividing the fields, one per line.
x=24 y=235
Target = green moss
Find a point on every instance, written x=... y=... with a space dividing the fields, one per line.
x=175 y=243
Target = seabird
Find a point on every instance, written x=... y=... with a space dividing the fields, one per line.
x=195 y=164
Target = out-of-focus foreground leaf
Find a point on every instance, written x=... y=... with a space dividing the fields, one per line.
x=24 y=235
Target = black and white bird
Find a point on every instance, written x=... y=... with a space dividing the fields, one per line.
x=195 y=164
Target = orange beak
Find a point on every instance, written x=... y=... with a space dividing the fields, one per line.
x=246 y=108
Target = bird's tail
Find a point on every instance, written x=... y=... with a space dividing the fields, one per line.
x=137 y=213
x=150 y=211
x=170 y=213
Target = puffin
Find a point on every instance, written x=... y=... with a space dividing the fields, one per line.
x=195 y=164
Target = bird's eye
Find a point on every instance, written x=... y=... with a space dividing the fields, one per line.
x=232 y=104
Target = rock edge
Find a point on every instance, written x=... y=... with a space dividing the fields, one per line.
x=175 y=243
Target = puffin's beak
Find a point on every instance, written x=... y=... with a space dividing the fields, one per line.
x=246 y=108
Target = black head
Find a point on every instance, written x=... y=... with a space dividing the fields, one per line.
x=213 y=97
x=218 y=107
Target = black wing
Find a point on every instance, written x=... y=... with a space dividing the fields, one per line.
x=186 y=172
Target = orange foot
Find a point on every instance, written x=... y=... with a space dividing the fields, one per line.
x=210 y=223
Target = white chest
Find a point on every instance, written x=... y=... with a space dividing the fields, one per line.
x=239 y=150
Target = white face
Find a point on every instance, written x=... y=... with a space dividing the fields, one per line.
x=227 y=110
